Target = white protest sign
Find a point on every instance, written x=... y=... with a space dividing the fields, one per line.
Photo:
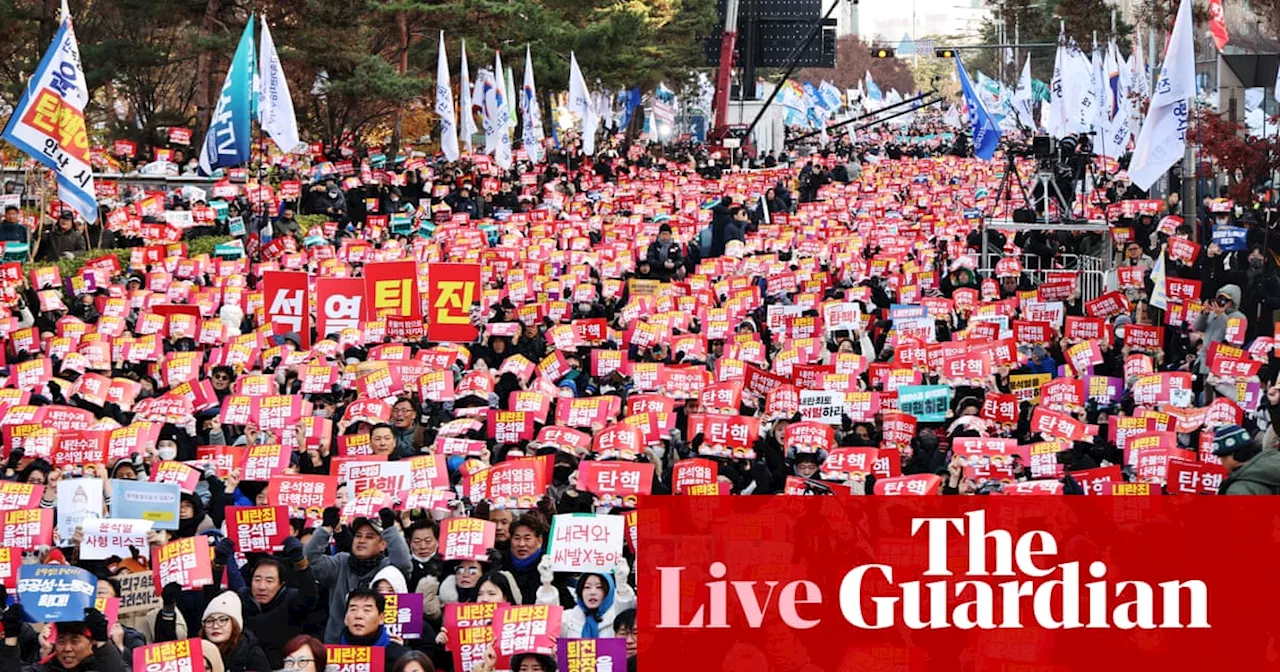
x=111 y=537
x=79 y=499
x=586 y=542
x=822 y=406
x=390 y=478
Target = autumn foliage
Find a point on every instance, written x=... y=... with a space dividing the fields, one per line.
x=1227 y=148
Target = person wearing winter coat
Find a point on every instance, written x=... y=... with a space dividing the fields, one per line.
x=223 y=624
x=528 y=541
x=362 y=625
x=1251 y=470
x=278 y=599
x=82 y=646
x=375 y=545
x=598 y=600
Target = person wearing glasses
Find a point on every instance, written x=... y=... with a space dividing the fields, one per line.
x=223 y=625
x=304 y=653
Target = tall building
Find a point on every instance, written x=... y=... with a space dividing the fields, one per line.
x=891 y=22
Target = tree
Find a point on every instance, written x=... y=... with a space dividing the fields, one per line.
x=1247 y=160
x=1039 y=24
x=853 y=61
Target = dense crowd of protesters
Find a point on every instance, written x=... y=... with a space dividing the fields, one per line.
x=853 y=271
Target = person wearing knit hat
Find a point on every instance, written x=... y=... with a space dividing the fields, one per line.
x=1252 y=471
x=223 y=624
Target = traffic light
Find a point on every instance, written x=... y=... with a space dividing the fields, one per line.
x=944 y=53
x=882 y=52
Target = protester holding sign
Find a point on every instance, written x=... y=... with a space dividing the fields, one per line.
x=375 y=544
x=224 y=626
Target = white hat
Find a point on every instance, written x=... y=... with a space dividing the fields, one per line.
x=393 y=576
x=228 y=603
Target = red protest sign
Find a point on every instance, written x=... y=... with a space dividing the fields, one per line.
x=510 y=426
x=185 y=655
x=284 y=293
x=185 y=562
x=467 y=539
x=917 y=484
x=616 y=483
x=690 y=472
x=525 y=629
x=391 y=288
x=258 y=529
x=345 y=658
x=340 y=305
x=307 y=495
x=470 y=631
x=27 y=528
x=451 y=291
x=261 y=463
x=184 y=475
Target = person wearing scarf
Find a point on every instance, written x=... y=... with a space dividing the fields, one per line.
x=599 y=600
x=363 y=626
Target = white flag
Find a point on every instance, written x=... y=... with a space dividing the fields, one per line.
x=444 y=106
x=1163 y=138
x=1082 y=105
x=512 y=102
x=1098 y=121
x=1058 y=114
x=1138 y=70
x=531 y=131
x=468 y=126
x=275 y=107
x=580 y=104
x=1022 y=101
x=497 y=117
x=1119 y=123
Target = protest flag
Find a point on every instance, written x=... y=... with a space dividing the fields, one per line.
x=1163 y=138
x=48 y=122
x=275 y=109
x=531 y=132
x=444 y=106
x=227 y=143
x=986 y=134
x=468 y=125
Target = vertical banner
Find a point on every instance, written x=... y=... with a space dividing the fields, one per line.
x=451 y=290
x=339 y=305
x=285 y=295
x=391 y=288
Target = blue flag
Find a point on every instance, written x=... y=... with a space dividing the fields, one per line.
x=986 y=133
x=873 y=91
x=228 y=142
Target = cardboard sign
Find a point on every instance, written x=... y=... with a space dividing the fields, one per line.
x=344 y=658
x=402 y=615
x=591 y=655
x=470 y=630
x=186 y=655
x=586 y=542
x=52 y=593
x=156 y=502
x=467 y=539
x=111 y=537
x=185 y=562
x=258 y=529
x=137 y=592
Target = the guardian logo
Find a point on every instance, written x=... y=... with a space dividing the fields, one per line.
x=1040 y=592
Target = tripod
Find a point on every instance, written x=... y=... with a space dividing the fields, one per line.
x=1004 y=194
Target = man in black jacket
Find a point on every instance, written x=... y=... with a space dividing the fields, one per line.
x=664 y=256
x=273 y=608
